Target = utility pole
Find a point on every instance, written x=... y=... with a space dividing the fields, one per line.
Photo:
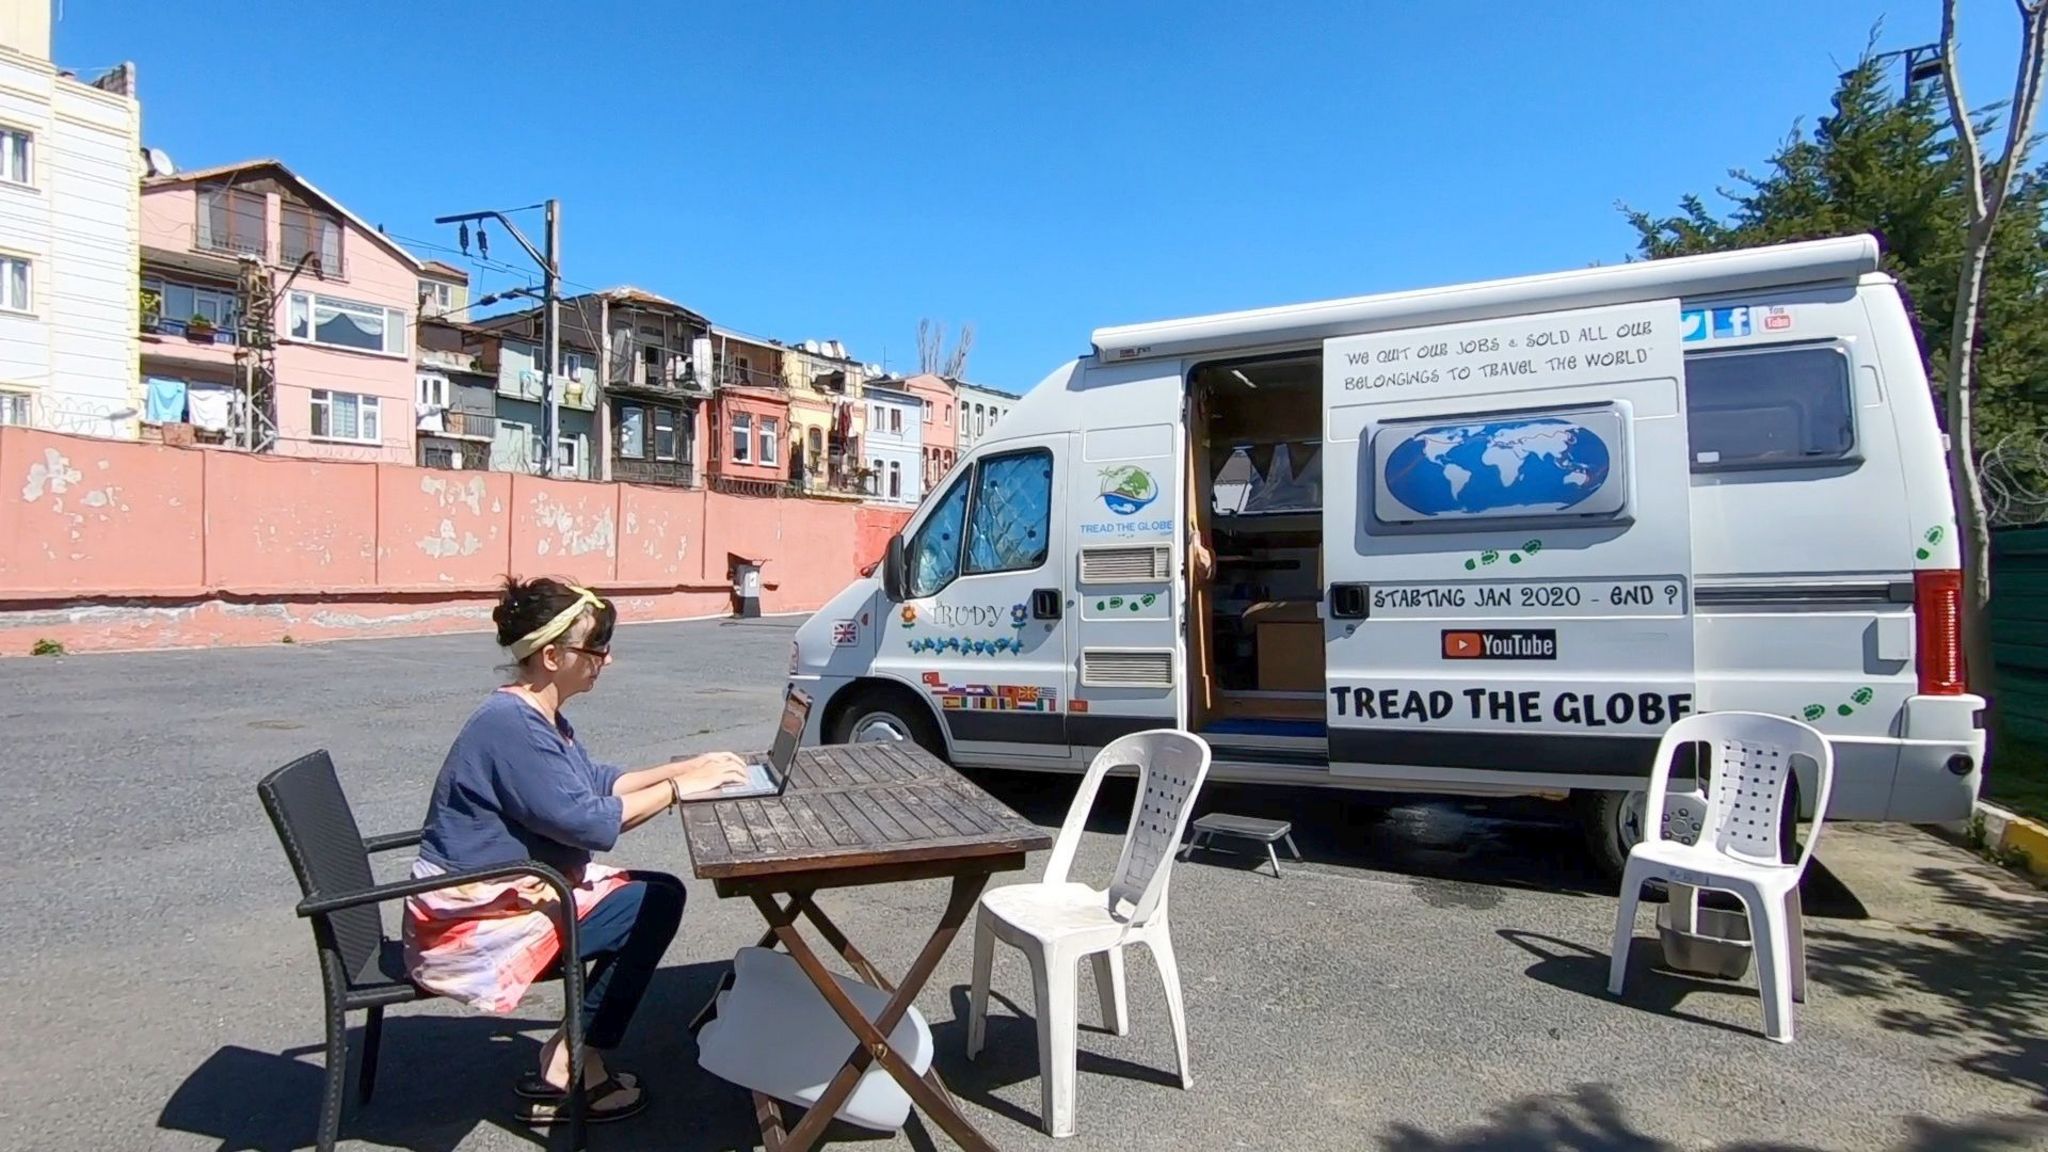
x=551 y=272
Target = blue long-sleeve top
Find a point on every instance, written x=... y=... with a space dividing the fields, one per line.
x=515 y=787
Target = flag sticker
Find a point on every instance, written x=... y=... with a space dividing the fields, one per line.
x=845 y=633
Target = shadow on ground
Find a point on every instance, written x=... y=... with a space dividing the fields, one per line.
x=1987 y=989
x=1456 y=852
x=444 y=1076
x=1590 y=1119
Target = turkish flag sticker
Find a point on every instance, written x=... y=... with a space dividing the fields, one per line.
x=1463 y=646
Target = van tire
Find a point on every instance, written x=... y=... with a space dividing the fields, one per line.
x=1601 y=819
x=1608 y=839
x=877 y=709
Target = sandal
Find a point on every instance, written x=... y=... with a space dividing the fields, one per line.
x=543 y=1112
x=533 y=1087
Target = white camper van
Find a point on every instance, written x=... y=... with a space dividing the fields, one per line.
x=1487 y=539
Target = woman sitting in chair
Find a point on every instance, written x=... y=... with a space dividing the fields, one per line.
x=517 y=786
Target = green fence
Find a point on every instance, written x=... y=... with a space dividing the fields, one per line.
x=2019 y=631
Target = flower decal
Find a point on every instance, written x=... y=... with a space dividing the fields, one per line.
x=1017 y=614
x=909 y=615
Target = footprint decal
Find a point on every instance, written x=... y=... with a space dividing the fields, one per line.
x=1492 y=555
x=1814 y=712
x=1934 y=536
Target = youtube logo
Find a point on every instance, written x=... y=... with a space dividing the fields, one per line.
x=1500 y=644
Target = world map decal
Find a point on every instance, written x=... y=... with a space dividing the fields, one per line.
x=1533 y=465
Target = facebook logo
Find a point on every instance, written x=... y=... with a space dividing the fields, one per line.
x=1730 y=323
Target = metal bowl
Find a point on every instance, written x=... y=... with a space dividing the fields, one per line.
x=1720 y=949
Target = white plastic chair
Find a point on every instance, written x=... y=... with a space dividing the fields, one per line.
x=1734 y=844
x=1057 y=922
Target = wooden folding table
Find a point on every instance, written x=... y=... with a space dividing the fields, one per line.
x=858 y=814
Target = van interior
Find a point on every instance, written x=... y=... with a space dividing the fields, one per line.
x=1255 y=495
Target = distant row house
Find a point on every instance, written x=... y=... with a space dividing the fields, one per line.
x=242 y=308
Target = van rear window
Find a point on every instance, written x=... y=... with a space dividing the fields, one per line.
x=1770 y=408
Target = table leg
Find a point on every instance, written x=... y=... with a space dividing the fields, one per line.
x=862 y=966
x=926 y=1092
x=711 y=1001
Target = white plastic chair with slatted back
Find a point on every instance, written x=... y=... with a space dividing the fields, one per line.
x=1057 y=922
x=1753 y=765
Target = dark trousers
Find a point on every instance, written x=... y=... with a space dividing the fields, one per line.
x=622 y=942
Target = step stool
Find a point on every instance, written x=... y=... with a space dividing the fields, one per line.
x=1267 y=832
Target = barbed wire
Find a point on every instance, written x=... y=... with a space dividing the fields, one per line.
x=2014 y=473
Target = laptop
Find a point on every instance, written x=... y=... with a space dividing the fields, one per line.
x=770 y=777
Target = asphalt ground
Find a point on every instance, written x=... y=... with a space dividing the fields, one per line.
x=1432 y=978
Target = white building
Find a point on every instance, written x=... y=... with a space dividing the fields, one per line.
x=895 y=442
x=70 y=226
x=980 y=408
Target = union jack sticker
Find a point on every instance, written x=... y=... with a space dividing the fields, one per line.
x=845 y=633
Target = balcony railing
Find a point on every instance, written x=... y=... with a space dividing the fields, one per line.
x=733 y=376
x=197 y=333
x=639 y=470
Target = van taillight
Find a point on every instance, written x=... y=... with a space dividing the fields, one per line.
x=1938 y=618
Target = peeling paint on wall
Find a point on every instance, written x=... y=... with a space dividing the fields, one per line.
x=571 y=539
x=445 y=544
x=53 y=474
x=450 y=493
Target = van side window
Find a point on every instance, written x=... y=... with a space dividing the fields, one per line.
x=1012 y=513
x=935 y=552
x=1769 y=408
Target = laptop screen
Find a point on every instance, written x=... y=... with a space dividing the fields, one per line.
x=796 y=711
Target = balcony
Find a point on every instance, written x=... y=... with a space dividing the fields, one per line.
x=197 y=333
x=452 y=361
x=327 y=267
x=670 y=473
x=653 y=368
x=733 y=376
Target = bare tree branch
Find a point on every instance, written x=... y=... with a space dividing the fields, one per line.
x=1958 y=112
x=956 y=362
x=2026 y=100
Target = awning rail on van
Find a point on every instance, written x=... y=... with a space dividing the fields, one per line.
x=1752 y=269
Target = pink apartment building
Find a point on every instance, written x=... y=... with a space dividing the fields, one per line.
x=327 y=371
x=940 y=399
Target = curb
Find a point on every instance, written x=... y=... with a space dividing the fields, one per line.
x=2005 y=832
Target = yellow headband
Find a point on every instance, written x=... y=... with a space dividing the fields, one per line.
x=549 y=632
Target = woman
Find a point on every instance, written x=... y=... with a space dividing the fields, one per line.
x=517 y=785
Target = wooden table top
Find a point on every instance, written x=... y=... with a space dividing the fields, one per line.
x=851 y=807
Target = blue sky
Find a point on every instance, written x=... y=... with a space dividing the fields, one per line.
x=814 y=170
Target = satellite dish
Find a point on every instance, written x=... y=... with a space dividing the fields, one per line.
x=159 y=162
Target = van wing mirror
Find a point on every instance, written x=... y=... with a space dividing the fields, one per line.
x=895 y=569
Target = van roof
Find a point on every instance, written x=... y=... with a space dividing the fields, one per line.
x=1745 y=270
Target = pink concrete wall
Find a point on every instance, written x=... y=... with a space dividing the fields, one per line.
x=278 y=526
x=107 y=545
x=80 y=515
x=442 y=530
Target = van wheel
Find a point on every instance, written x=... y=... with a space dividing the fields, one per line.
x=1613 y=824
x=879 y=715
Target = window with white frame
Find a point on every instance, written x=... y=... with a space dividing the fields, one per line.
x=895 y=480
x=440 y=296
x=572 y=364
x=927 y=411
x=771 y=447
x=569 y=454
x=15 y=156
x=182 y=303
x=895 y=419
x=742 y=438
x=13 y=409
x=431 y=389
x=337 y=323
x=17 y=284
x=631 y=431
x=347 y=416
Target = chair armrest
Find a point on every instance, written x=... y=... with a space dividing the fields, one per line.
x=390 y=840
x=399 y=889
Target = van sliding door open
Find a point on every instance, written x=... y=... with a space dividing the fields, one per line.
x=1508 y=551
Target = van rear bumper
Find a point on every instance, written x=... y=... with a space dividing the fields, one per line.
x=1940 y=760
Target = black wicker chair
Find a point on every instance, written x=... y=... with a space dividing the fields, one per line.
x=360 y=968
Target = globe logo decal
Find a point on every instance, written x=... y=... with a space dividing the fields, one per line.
x=1541 y=464
x=1127 y=488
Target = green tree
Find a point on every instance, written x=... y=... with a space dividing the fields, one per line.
x=1884 y=161
x=1887 y=161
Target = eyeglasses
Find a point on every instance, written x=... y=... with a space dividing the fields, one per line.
x=593 y=653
